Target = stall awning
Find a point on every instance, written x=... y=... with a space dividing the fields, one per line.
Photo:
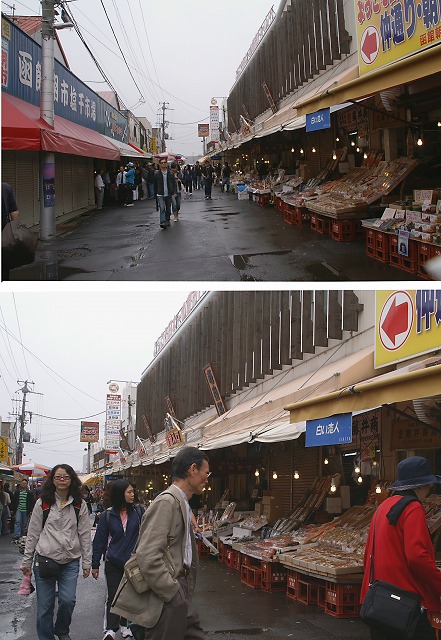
x=124 y=149
x=264 y=417
x=143 y=153
x=91 y=479
x=396 y=386
x=401 y=72
x=24 y=130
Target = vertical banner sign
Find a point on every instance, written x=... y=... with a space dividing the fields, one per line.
x=169 y=405
x=4 y=443
x=214 y=388
x=90 y=432
x=214 y=124
x=113 y=422
x=336 y=429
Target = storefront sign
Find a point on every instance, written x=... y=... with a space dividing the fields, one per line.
x=388 y=31
x=192 y=301
x=203 y=130
x=408 y=323
x=151 y=436
x=214 y=388
x=318 y=120
x=257 y=40
x=336 y=429
x=169 y=405
x=214 y=124
x=4 y=445
x=408 y=435
x=174 y=437
x=73 y=100
x=90 y=432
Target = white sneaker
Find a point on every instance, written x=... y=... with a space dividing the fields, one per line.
x=125 y=632
x=109 y=635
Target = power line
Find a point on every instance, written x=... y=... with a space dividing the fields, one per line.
x=19 y=333
x=63 y=419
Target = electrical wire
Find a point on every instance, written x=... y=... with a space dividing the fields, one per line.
x=9 y=349
x=150 y=49
x=76 y=419
x=19 y=333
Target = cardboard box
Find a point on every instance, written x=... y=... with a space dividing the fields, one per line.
x=333 y=505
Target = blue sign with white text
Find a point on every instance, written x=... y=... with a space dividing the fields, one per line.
x=318 y=120
x=336 y=429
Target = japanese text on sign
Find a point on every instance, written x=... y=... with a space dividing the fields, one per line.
x=336 y=429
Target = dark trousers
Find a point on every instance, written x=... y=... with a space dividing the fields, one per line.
x=121 y=194
x=188 y=186
x=113 y=578
x=129 y=193
x=424 y=631
x=179 y=620
x=208 y=185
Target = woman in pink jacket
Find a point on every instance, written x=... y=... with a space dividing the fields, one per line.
x=403 y=552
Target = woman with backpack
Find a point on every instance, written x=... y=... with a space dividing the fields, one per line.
x=115 y=539
x=58 y=536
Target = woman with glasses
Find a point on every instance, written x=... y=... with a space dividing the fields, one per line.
x=115 y=539
x=58 y=532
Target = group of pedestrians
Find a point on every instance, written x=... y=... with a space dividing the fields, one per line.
x=59 y=547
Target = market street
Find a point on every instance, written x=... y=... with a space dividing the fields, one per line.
x=227 y=608
x=224 y=239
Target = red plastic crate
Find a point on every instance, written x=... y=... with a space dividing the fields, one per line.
x=321 y=595
x=346 y=611
x=251 y=576
x=273 y=577
x=323 y=225
x=203 y=550
x=346 y=230
x=381 y=247
x=292 y=584
x=264 y=199
x=406 y=263
x=370 y=242
x=436 y=251
x=308 y=591
x=342 y=594
x=424 y=253
x=314 y=221
x=288 y=216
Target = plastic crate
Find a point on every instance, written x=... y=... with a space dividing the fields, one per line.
x=273 y=577
x=321 y=595
x=264 y=199
x=346 y=230
x=323 y=225
x=251 y=576
x=222 y=551
x=381 y=247
x=342 y=594
x=424 y=253
x=406 y=263
x=203 y=550
x=292 y=584
x=308 y=591
x=436 y=251
x=370 y=243
x=346 y=611
x=314 y=222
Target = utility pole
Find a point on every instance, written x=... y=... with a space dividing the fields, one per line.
x=47 y=167
x=25 y=390
x=164 y=107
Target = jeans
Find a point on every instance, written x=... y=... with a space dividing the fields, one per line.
x=21 y=524
x=151 y=190
x=176 y=203
x=67 y=586
x=164 y=208
x=225 y=183
x=113 y=578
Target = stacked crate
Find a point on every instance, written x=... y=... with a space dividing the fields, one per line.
x=273 y=577
x=342 y=600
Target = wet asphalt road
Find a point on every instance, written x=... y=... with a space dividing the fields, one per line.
x=228 y=609
x=223 y=240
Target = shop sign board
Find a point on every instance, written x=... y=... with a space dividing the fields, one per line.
x=4 y=444
x=90 y=432
x=408 y=435
x=214 y=389
x=174 y=437
x=203 y=130
x=335 y=429
x=408 y=324
x=113 y=420
x=390 y=30
x=214 y=123
x=318 y=120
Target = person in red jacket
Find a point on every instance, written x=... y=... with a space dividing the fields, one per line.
x=403 y=553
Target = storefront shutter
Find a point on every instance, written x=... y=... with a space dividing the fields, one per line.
x=21 y=170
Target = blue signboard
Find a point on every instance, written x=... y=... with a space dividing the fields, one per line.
x=336 y=429
x=73 y=100
x=318 y=120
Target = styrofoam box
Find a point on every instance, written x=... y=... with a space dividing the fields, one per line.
x=242 y=195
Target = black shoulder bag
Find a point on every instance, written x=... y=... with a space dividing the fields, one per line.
x=389 y=607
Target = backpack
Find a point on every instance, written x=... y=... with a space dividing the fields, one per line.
x=46 y=507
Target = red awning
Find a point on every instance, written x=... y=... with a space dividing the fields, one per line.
x=23 y=129
x=144 y=153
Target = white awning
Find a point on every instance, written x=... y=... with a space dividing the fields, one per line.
x=126 y=150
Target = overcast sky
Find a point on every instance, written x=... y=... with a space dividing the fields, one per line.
x=183 y=53
x=73 y=344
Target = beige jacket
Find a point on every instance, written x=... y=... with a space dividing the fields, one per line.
x=60 y=539
x=160 y=556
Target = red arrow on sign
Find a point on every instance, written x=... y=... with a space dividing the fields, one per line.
x=370 y=45
x=396 y=320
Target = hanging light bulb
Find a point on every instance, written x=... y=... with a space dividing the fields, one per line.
x=334 y=155
x=352 y=144
x=333 y=486
x=257 y=473
x=357 y=468
x=313 y=150
x=301 y=151
x=378 y=489
x=365 y=155
x=296 y=475
x=357 y=149
x=337 y=139
x=359 y=479
x=439 y=123
x=420 y=142
x=209 y=488
x=326 y=461
x=274 y=475
x=292 y=149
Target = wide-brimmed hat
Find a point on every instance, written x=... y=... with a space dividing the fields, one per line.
x=414 y=472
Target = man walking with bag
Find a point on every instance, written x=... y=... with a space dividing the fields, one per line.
x=166 y=555
x=399 y=551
